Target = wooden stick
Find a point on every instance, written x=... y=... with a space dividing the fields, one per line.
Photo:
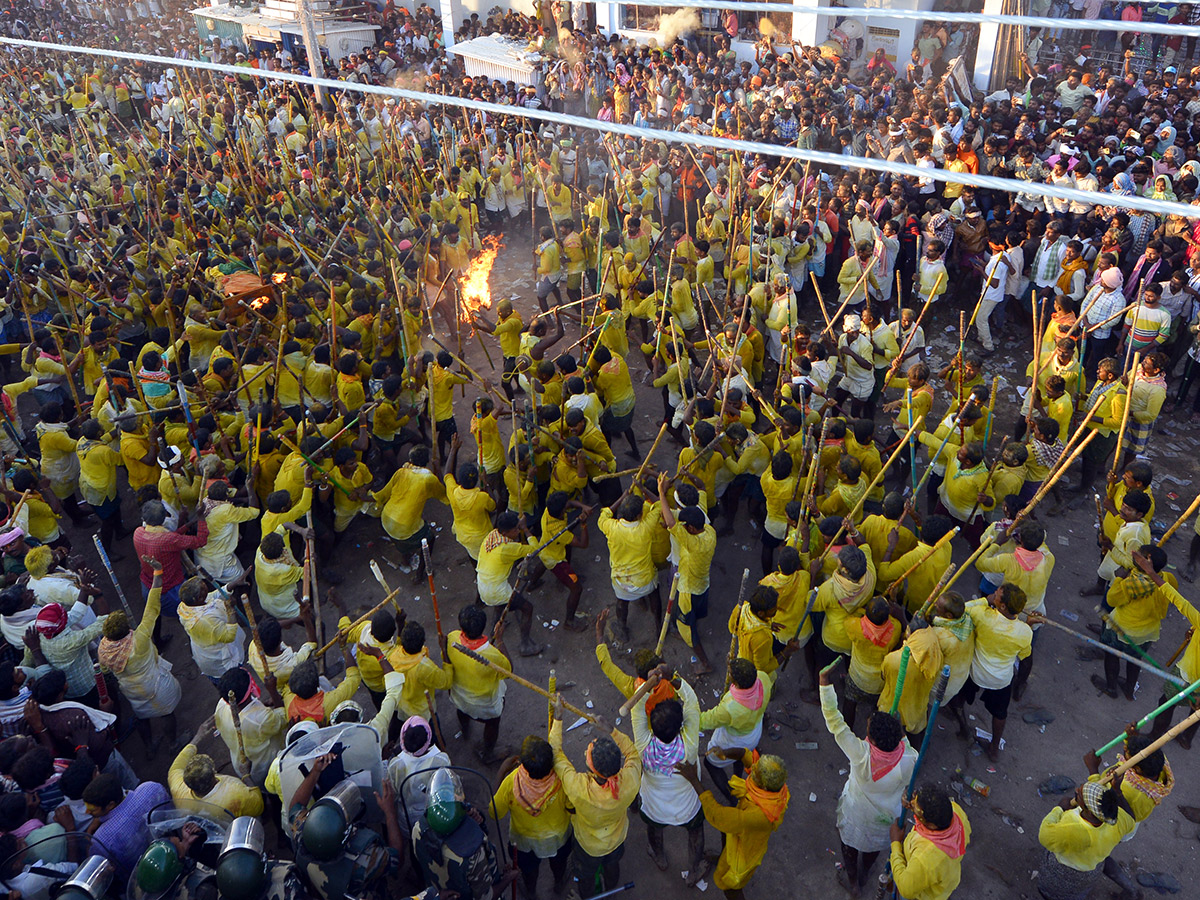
x=1187 y=639
x=1128 y=657
x=254 y=635
x=937 y=545
x=662 y=632
x=821 y=301
x=363 y=618
x=947 y=579
x=243 y=760
x=524 y=682
x=1187 y=514
x=900 y=447
x=1125 y=413
x=733 y=637
x=387 y=588
x=635 y=698
x=899 y=361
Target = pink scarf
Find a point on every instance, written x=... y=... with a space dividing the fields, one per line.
x=1027 y=559
x=882 y=763
x=751 y=697
x=951 y=841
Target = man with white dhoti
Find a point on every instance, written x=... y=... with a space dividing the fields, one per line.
x=666 y=734
x=880 y=769
x=218 y=643
x=217 y=556
x=735 y=722
x=143 y=676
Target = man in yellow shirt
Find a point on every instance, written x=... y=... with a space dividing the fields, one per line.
x=1138 y=608
x=694 y=541
x=927 y=864
x=1078 y=836
x=1000 y=641
x=402 y=504
x=502 y=548
x=762 y=799
x=193 y=776
x=613 y=383
x=601 y=795
x=478 y=690
x=549 y=267
x=507 y=328
x=441 y=382
x=629 y=529
x=539 y=823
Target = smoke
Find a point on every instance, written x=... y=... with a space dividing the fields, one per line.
x=677 y=23
x=766 y=27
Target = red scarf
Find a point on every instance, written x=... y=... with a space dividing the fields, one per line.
x=472 y=643
x=881 y=762
x=951 y=841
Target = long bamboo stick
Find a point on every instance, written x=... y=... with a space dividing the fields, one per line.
x=360 y=620
x=1187 y=514
x=1151 y=716
x=524 y=682
x=1173 y=733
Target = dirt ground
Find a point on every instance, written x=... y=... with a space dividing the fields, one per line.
x=1004 y=852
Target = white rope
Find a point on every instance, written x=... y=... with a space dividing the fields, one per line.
x=704 y=142
x=917 y=15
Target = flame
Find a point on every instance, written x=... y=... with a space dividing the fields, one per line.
x=474 y=292
x=259 y=302
x=279 y=277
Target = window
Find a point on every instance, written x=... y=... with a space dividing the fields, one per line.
x=644 y=18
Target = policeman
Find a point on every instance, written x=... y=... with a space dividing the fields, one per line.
x=334 y=855
x=451 y=846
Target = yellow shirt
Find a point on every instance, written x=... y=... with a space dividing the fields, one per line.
x=444 y=382
x=1078 y=844
x=746 y=830
x=497 y=555
x=601 y=820
x=97 y=471
x=922 y=870
x=134 y=448
x=229 y=793
x=544 y=827
x=508 y=332
x=421 y=674
x=1139 y=606
x=629 y=556
x=695 y=557
x=866 y=656
x=472 y=508
x=403 y=499
x=924 y=578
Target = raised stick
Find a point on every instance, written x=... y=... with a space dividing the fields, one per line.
x=1125 y=413
x=1187 y=514
x=1146 y=751
x=1151 y=716
x=363 y=618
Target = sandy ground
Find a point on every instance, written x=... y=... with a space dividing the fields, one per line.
x=1004 y=852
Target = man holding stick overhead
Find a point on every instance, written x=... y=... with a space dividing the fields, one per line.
x=601 y=795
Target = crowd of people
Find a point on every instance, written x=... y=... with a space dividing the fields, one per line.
x=237 y=323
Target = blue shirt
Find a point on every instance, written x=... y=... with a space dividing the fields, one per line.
x=124 y=834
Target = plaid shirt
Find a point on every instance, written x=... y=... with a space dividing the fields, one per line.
x=166 y=546
x=68 y=652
